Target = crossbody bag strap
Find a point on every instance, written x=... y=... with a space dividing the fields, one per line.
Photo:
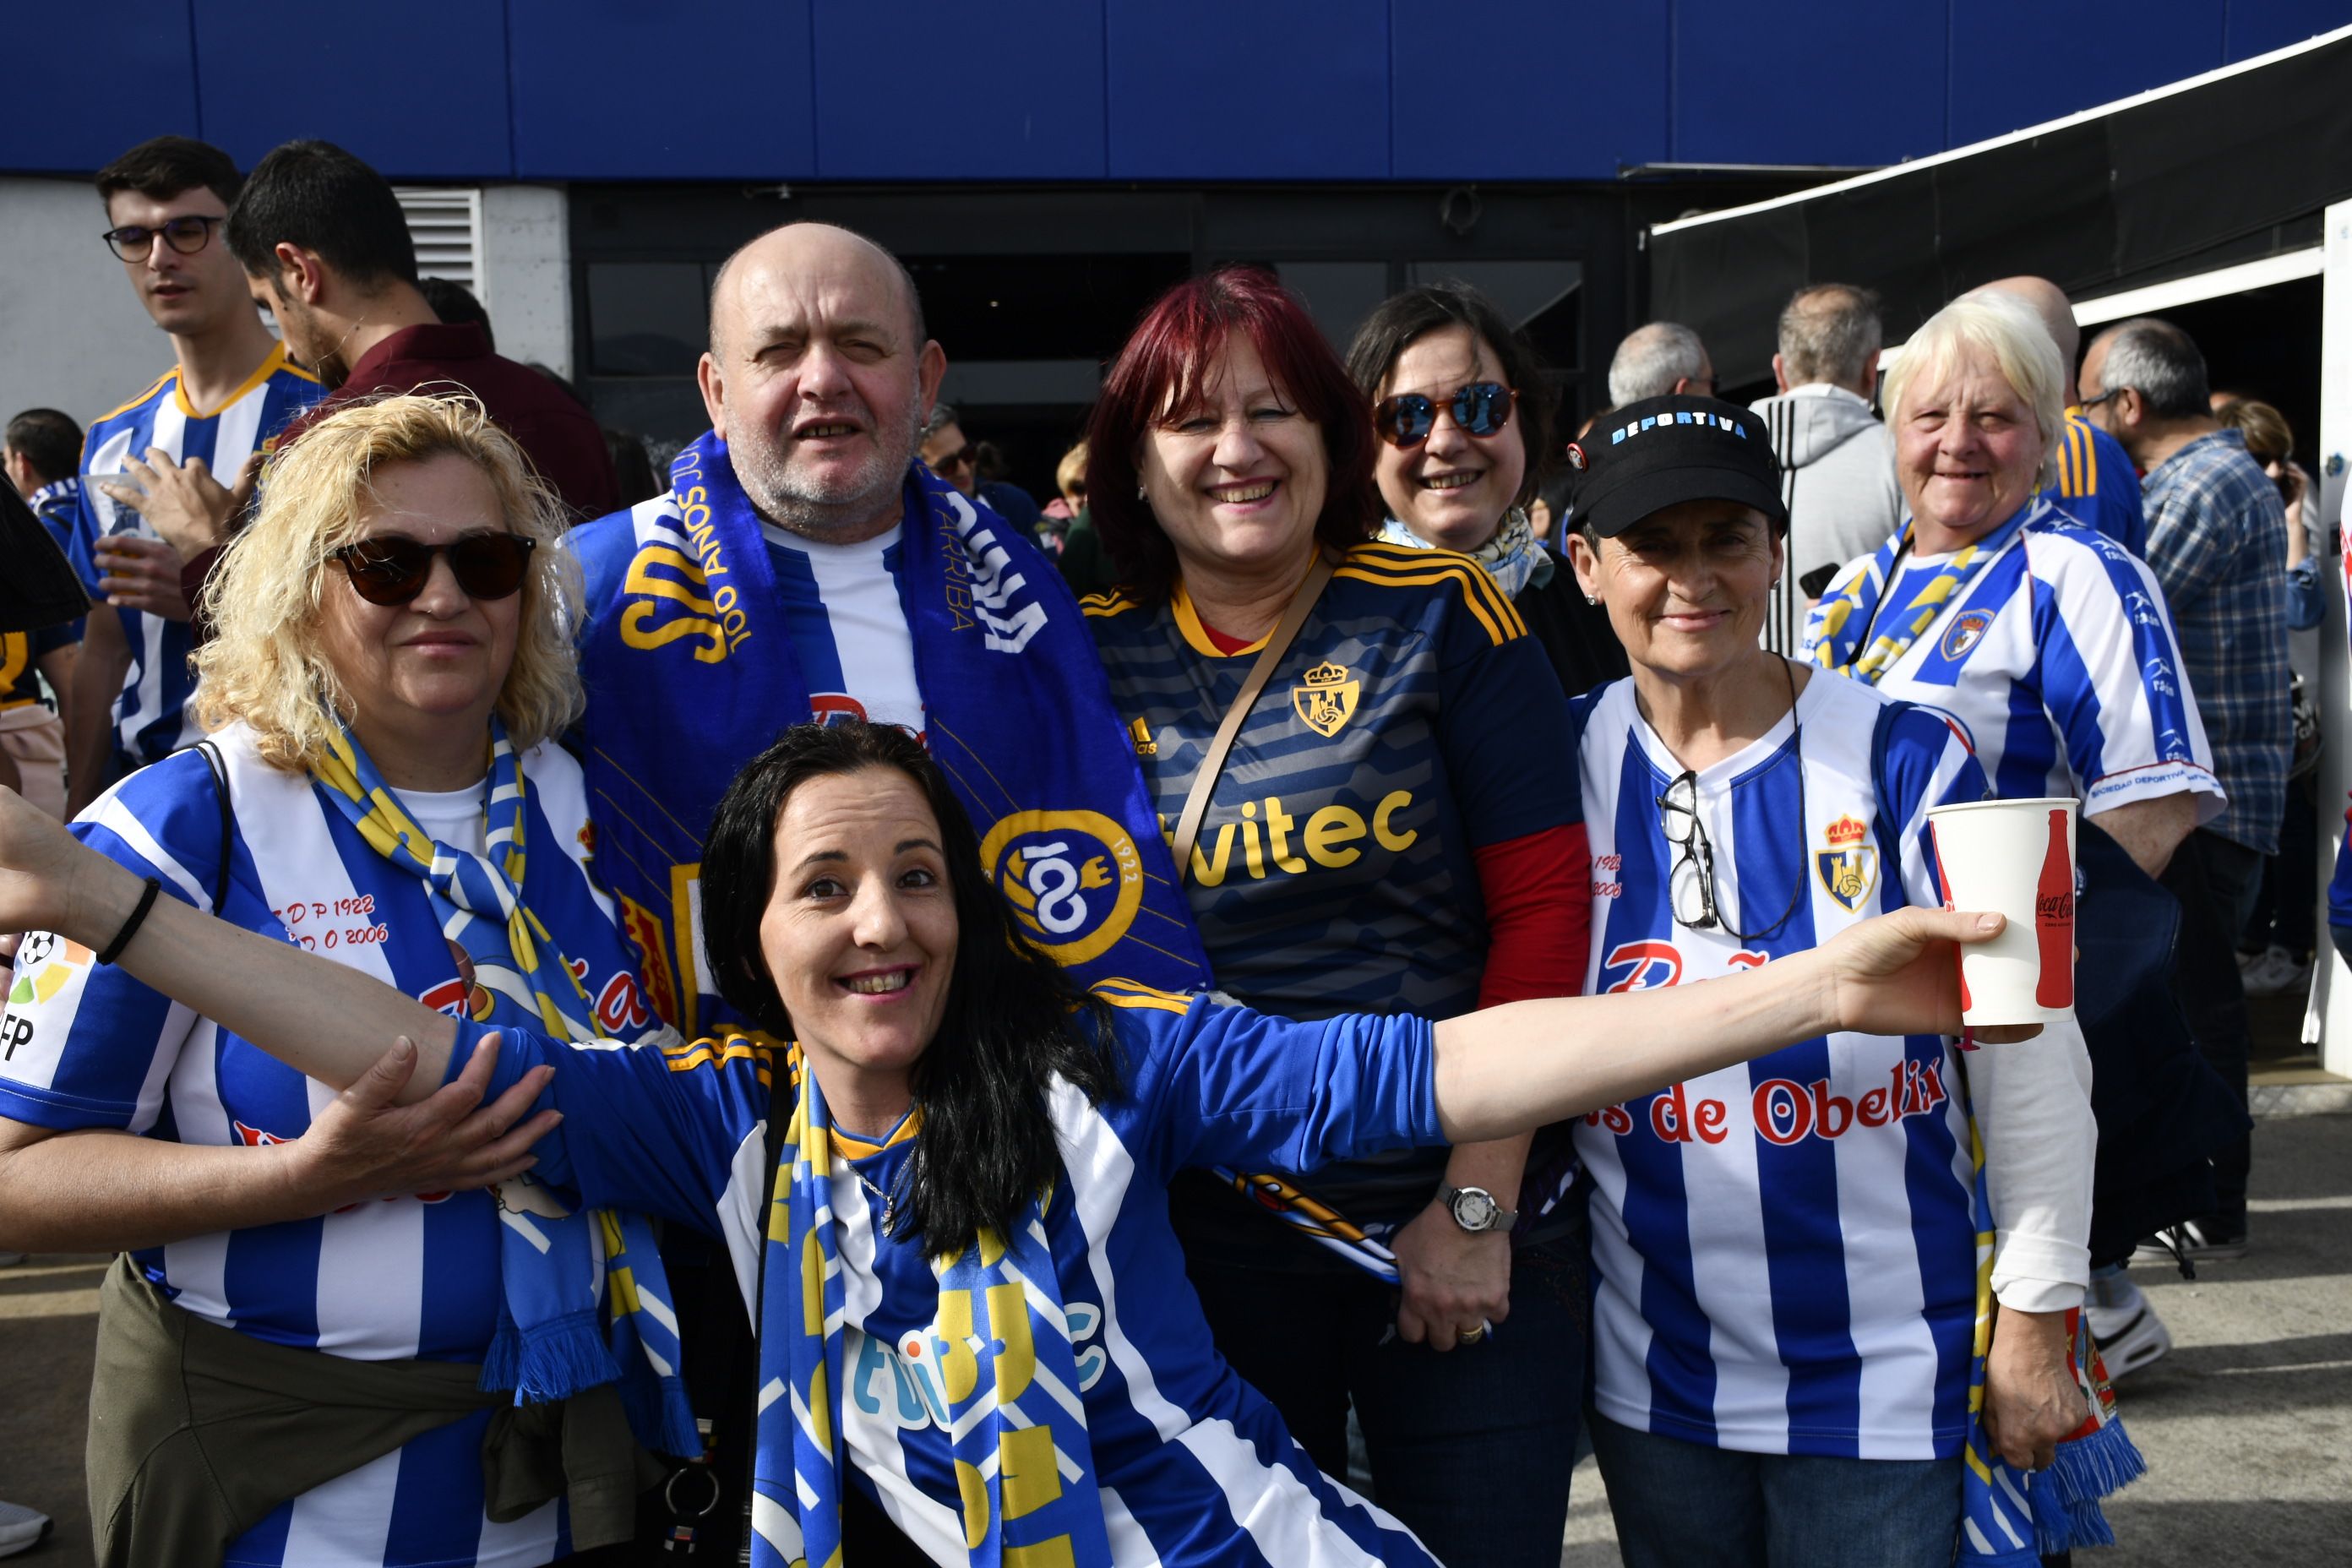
x=1277 y=642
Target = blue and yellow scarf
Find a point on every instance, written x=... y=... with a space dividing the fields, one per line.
x=2011 y=1517
x=691 y=672
x=1024 y=1461
x=1834 y=632
x=550 y=1342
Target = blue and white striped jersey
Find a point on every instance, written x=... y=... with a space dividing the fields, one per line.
x=84 y=1046
x=1784 y=1252
x=1195 y=1467
x=2058 y=659
x=151 y=720
x=849 y=626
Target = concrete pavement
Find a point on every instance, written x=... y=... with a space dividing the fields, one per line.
x=2247 y=1424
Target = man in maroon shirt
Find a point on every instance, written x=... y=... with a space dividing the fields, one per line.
x=325 y=250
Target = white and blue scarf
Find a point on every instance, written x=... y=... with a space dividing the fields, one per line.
x=1024 y=1459
x=530 y=927
x=692 y=672
x=1514 y=558
x=1834 y=632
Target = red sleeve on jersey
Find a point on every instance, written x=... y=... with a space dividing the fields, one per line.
x=1538 y=892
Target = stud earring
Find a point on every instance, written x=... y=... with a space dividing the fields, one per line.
x=1139 y=493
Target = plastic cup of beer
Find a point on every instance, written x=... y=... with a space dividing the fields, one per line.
x=2015 y=857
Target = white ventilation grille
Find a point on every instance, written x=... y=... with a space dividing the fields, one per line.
x=446 y=226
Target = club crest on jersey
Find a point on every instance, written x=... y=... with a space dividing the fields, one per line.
x=1848 y=866
x=1328 y=699
x=1965 y=631
x=1074 y=879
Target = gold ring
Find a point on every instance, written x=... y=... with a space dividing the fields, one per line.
x=1471 y=1336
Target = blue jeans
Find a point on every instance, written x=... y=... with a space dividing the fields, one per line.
x=1681 y=1505
x=1471 y=1449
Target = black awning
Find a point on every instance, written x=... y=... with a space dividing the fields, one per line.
x=2152 y=188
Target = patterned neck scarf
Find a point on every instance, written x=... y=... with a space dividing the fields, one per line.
x=1023 y=1462
x=548 y=1345
x=1513 y=558
x=1834 y=631
x=2010 y=1518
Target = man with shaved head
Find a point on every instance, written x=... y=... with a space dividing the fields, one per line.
x=805 y=566
x=2098 y=485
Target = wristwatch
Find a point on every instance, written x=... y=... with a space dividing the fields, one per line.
x=1475 y=1209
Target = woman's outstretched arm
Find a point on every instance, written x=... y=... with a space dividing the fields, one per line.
x=321 y=1018
x=1528 y=1064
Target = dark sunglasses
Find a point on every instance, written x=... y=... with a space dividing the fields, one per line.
x=963 y=456
x=1480 y=408
x=393 y=569
x=187 y=236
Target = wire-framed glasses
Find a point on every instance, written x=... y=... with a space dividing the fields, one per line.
x=1690 y=884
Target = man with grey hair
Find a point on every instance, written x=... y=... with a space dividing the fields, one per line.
x=2095 y=484
x=1660 y=359
x=2216 y=542
x=1837 y=461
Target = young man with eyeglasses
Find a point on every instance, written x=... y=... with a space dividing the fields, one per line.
x=1785 y=1254
x=230 y=391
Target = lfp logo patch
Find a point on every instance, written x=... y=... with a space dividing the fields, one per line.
x=1074 y=879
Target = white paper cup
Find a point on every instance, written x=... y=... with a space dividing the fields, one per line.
x=2015 y=857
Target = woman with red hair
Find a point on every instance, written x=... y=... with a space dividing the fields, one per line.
x=1394 y=828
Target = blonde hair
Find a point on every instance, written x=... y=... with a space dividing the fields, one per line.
x=266 y=664
x=2008 y=332
x=2268 y=437
x=1071 y=469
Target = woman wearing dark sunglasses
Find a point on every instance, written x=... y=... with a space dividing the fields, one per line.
x=1462 y=412
x=391 y=660
x=1395 y=829
x=1785 y=1255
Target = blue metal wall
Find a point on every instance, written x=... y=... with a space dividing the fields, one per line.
x=1094 y=89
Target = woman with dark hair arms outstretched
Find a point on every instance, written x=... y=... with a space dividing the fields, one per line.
x=944 y=1198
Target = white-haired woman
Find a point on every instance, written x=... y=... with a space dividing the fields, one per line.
x=287 y=1354
x=2048 y=643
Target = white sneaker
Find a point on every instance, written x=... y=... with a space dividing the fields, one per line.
x=2275 y=973
x=2129 y=1332
x=21 y=1529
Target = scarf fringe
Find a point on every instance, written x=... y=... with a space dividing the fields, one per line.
x=659 y=1415
x=556 y=1360
x=2066 y=1511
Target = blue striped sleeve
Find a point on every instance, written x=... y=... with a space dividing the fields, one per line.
x=82 y=1044
x=1230 y=1086
x=655 y=1126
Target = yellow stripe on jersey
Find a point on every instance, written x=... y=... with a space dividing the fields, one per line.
x=269 y=367
x=710 y=1051
x=1120 y=993
x=1117 y=602
x=1412 y=567
x=850 y=1146
x=153 y=388
x=1502 y=622
x=1188 y=622
x=2086 y=482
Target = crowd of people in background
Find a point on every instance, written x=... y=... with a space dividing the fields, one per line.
x=1336 y=688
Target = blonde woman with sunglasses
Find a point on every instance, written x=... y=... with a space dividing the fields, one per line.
x=379 y=788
